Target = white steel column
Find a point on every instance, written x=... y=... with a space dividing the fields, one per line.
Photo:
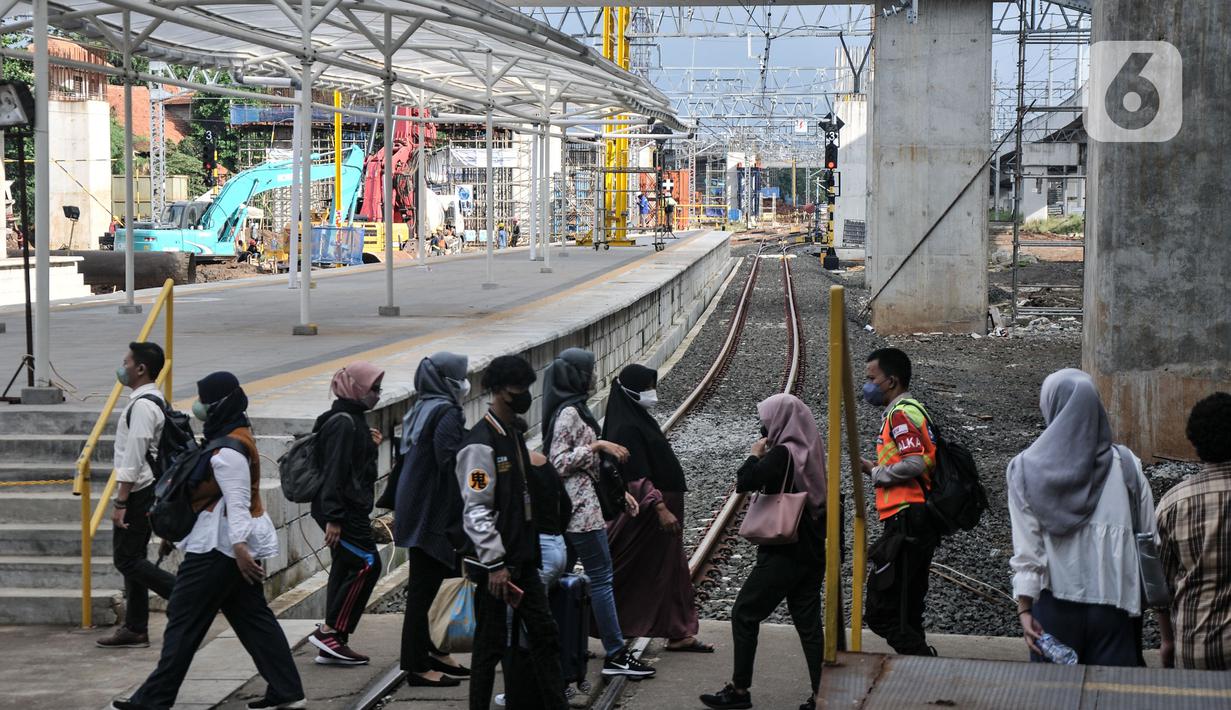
x=491 y=181
x=387 y=181
x=130 y=253
x=532 y=198
x=421 y=183
x=306 y=326
x=545 y=189
x=292 y=272
x=42 y=204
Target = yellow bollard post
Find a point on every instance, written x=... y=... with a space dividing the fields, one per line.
x=859 y=565
x=87 y=601
x=833 y=473
x=168 y=386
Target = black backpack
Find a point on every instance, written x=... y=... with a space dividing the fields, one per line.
x=175 y=438
x=957 y=499
x=299 y=469
x=171 y=515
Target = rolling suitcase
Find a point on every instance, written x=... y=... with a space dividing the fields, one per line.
x=570 y=605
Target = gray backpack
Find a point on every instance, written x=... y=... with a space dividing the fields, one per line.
x=300 y=469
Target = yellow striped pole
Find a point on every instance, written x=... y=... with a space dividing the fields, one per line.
x=337 y=159
x=833 y=473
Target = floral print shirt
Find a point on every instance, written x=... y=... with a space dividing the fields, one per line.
x=576 y=463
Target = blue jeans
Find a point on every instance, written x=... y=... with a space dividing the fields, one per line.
x=555 y=560
x=591 y=548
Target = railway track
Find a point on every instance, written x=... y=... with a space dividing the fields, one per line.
x=715 y=543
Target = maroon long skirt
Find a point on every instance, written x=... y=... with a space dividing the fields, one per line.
x=653 y=590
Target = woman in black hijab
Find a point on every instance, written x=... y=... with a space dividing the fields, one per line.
x=653 y=588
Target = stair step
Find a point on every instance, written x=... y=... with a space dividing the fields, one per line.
x=44 y=504
x=56 y=539
x=53 y=448
x=59 y=418
x=11 y=470
x=56 y=572
x=33 y=605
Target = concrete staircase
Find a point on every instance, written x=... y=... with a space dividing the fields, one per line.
x=40 y=525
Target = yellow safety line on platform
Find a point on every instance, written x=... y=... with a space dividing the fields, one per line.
x=294 y=376
x=1158 y=690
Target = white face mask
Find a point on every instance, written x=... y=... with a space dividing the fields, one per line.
x=462 y=387
x=648 y=398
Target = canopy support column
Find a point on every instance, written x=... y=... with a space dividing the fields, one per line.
x=43 y=391
x=421 y=183
x=388 y=309
x=545 y=188
x=532 y=199
x=491 y=180
x=130 y=269
x=304 y=163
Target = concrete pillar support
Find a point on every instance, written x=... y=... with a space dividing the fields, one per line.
x=929 y=130
x=1157 y=332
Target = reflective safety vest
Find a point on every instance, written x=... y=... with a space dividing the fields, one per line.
x=905 y=429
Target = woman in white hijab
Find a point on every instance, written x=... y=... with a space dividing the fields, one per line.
x=1074 y=562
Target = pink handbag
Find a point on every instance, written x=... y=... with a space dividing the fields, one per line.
x=773 y=518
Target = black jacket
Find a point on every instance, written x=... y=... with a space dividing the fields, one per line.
x=497 y=513
x=552 y=506
x=347 y=455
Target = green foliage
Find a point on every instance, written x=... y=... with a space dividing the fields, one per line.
x=1000 y=215
x=184 y=158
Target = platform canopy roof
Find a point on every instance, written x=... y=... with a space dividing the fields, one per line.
x=437 y=47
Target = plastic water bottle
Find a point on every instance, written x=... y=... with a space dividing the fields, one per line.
x=1055 y=651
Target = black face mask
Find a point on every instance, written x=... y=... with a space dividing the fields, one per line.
x=764 y=432
x=520 y=402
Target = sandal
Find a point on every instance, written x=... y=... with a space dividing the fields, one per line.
x=695 y=647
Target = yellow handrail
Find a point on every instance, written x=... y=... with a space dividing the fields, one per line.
x=842 y=389
x=91 y=519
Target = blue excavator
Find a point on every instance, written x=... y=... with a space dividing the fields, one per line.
x=210 y=229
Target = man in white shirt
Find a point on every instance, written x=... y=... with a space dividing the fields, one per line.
x=136 y=448
x=222 y=568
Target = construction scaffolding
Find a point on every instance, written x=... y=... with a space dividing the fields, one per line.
x=467 y=166
x=574 y=193
x=1052 y=122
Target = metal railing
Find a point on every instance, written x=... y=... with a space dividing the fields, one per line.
x=92 y=517
x=842 y=389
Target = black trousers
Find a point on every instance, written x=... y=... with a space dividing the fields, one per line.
x=777 y=575
x=1101 y=634
x=352 y=577
x=898 y=583
x=492 y=634
x=426 y=575
x=129 y=551
x=206 y=584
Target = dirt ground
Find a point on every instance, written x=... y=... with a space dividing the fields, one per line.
x=225 y=271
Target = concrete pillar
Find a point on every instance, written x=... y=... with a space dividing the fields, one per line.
x=929 y=131
x=1157 y=332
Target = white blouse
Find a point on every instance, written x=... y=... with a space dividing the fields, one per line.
x=215 y=529
x=1095 y=564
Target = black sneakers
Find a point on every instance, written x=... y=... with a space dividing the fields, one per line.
x=623 y=663
x=728 y=697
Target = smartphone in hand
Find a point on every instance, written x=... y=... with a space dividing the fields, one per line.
x=513 y=594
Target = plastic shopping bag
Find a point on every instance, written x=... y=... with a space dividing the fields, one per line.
x=451 y=616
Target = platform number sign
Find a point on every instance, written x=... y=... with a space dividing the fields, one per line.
x=1135 y=92
x=801 y=126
